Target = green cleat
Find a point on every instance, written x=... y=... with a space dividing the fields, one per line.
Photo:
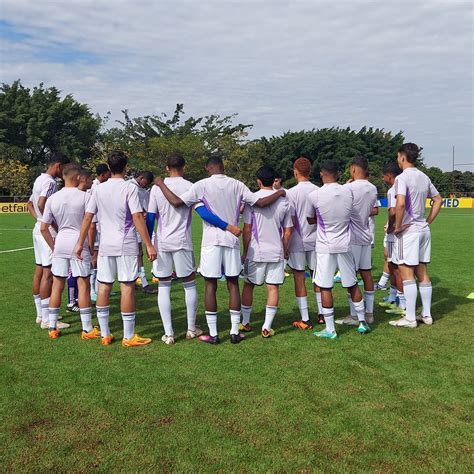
x=363 y=328
x=325 y=334
x=387 y=304
x=397 y=310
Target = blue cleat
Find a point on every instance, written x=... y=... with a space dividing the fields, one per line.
x=363 y=328
x=325 y=334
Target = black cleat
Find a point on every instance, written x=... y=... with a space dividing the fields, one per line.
x=236 y=338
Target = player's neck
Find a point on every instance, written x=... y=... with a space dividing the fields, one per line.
x=118 y=175
x=407 y=165
x=50 y=172
x=302 y=179
x=359 y=177
x=267 y=188
x=175 y=174
x=70 y=185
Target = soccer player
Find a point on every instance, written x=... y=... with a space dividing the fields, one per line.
x=265 y=249
x=220 y=250
x=277 y=183
x=173 y=242
x=333 y=204
x=66 y=208
x=412 y=230
x=365 y=201
x=44 y=187
x=142 y=181
x=301 y=251
x=119 y=211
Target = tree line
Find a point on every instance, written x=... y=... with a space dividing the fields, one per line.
x=35 y=122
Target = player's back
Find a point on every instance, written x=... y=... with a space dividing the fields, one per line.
x=143 y=194
x=267 y=225
x=174 y=223
x=365 y=199
x=333 y=203
x=304 y=235
x=44 y=186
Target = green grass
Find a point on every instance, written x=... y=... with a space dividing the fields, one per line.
x=393 y=401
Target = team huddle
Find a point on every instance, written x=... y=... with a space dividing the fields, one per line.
x=92 y=233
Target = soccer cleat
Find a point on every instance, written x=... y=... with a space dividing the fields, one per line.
x=236 y=338
x=287 y=274
x=363 y=328
x=107 y=340
x=320 y=319
x=61 y=325
x=138 y=282
x=337 y=279
x=155 y=280
x=302 y=324
x=94 y=333
x=325 y=334
x=54 y=333
x=267 y=333
x=135 y=341
x=379 y=287
x=193 y=334
x=168 y=340
x=72 y=308
x=149 y=290
x=348 y=321
x=424 y=319
x=403 y=323
x=94 y=297
x=396 y=310
x=388 y=304
x=369 y=317
x=39 y=320
x=209 y=339
x=44 y=325
x=245 y=327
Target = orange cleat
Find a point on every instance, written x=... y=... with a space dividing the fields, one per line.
x=107 y=340
x=54 y=333
x=136 y=340
x=302 y=324
x=93 y=334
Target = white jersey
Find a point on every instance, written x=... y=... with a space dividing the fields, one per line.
x=67 y=208
x=222 y=196
x=365 y=199
x=95 y=183
x=333 y=206
x=303 y=238
x=372 y=222
x=44 y=186
x=174 y=223
x=417 y=188
x=391 y=203
x=114 y=202
x=143 y=194
x=267 y=227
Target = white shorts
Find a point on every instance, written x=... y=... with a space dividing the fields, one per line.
x=125 y=268
x=300 y=260
x=392 y=252
x=414 y=248
x=218 y=260
x=43 y=252
x=362 y=256
x=328 y=263
x=258 y=273
x=79 y=268
x=181 y=260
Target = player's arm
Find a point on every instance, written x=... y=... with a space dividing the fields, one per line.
x=31 y=210
x=140 y=225
x=399 y=212
x=287 y=232
x=85 y=226
x=91 y=236
x=374 y=211
x=268 y=200
x=172 y=198
x=391 y=220
x=47 y=234
x=246 y=236
x=212 y=219
x=435 y=208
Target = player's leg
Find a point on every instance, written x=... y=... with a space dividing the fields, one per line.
x=164 y=268
x=106 y=273
x=45 y=293
x=54 y=305
x=274 y=277
x=424 y=281
x=234 y=308
x=36 y=291
x=72 y=291
x=93 y=278
x=384 y=278
x=247 y=302
x=297 y=262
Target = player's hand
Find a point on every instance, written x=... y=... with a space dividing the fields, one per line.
x=350 y=180
x=385 y=228
x=282 y=192
x=243 y=258
x=78 y=251
x=93 y=258
x=234 y=229
x=159 y=181
x=399 y=230
x=151 y=252
x=286 y=254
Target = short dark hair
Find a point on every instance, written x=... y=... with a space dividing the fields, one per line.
x=391 y=168
x=266 y=175
x=57 y=157
x=148 y=175
x=361 y=163
x=70 y=169
x=85 y=173
x=330 y=167
x=411 y=151
x=101 y=169
x=215 y=159
x=117 y=161
x=175 y=161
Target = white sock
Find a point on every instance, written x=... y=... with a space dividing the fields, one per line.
x=351 y=305
x=270 y=312
x=94 y=281
x=401 y=300
x=426 y=291
x=191 y=299
x=319 y=302
x=164 y=306
x=369 y=301
x=128 y=320
x=53 y=317
x=384 y=279
x=328 y=314
x=392 y=296
x=86 y=319
x=37 y=299
x=246 y=310
x=45 y=311
x=360 y=310
x=103 y=318
x=302 y=302
x=71 y=296
x=211 y=319
x=234 y=321
x=142 y=275
x=410 y=291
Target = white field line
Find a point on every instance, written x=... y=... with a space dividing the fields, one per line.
x=15 y=250
x=4 y=230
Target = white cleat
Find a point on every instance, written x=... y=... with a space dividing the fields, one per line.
x=39 y=320
x=169 y=340
x=61 y=325
x=193 y=334
x=369 y=318
x=44 y=325
x=403 y=323
x=348 y=321
x=425 y=319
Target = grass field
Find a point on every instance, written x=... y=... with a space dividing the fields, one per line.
x=393 y=401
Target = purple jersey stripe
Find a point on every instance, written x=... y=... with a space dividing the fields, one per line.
x=254 y=227
x=237 y=212
x=128 y=219
x=321 y=224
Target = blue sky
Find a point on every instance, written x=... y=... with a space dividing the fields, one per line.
x=282 y=65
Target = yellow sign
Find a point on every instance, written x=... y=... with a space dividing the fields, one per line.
x=455 y=203
x=13 y=207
